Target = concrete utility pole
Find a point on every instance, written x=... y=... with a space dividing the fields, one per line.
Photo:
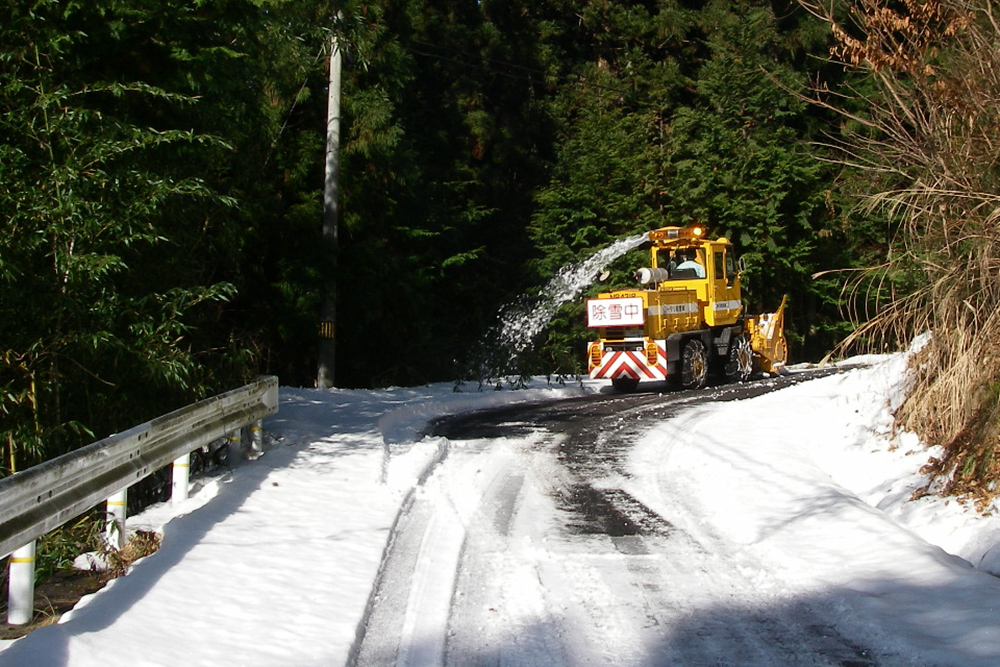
x=328 y=314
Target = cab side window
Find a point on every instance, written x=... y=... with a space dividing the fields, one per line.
x=663 y=259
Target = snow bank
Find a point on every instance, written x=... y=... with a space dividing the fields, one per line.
x=813 y=481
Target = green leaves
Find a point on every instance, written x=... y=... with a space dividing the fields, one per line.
x=680 y=116
x=92 y=194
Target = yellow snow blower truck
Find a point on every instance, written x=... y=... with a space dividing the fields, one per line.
x=685 y=320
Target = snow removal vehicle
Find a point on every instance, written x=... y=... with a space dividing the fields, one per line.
x=685 y=320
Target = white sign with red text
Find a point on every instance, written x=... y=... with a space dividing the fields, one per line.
x=615 y=312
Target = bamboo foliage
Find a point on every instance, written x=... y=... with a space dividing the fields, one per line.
x=926 y=130
x=89 y=191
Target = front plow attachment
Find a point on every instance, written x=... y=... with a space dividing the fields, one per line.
x=767 y=338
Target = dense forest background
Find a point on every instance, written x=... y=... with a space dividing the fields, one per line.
x=161 y=168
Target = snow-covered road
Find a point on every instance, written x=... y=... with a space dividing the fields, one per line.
x=774 y=530
x=526 y=549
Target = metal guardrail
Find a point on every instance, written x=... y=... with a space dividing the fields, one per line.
x=41 y=498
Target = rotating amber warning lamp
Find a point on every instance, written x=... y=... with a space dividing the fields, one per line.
x=676 y=233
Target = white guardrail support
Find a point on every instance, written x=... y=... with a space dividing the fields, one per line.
x=115 y=535
x=21 y=585
x=41 y=498
x=256 y=439
x=180 y=479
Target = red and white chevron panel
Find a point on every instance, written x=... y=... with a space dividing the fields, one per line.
x=628 y=364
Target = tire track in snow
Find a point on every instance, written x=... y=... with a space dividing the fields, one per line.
x=414 y=583
x=499 y=614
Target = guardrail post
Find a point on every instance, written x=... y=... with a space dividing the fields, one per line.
x=256 y=439
x=115 y=534
x=21 y=585
x=181 y=476
x=234 y=443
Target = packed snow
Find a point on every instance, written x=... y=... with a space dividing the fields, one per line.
x=806 y=489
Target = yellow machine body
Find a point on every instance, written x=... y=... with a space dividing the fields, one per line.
x=685 y=319
x=767 y=338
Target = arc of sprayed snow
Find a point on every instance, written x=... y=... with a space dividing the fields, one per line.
x=521 y=325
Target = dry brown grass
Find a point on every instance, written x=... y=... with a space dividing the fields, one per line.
x=931 y=141
x=141 y=544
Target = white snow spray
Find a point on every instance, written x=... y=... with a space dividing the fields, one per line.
x=520 y=322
